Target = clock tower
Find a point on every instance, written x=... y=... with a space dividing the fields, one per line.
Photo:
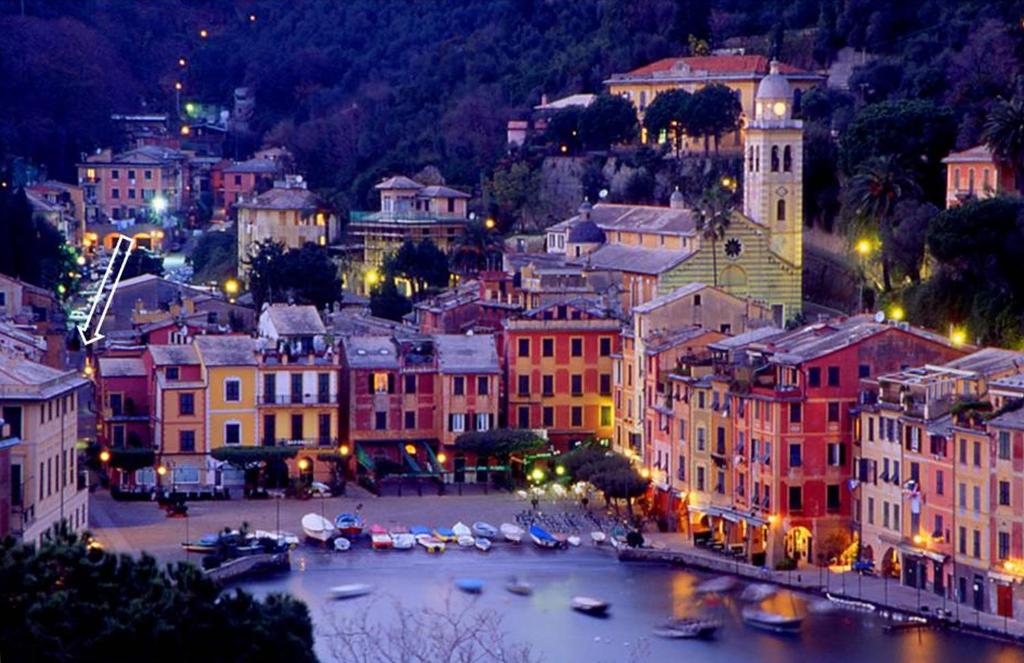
x=773 y=167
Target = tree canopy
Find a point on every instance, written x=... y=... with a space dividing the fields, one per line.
x=143 y=261
x=303 y=276
x=63 y=601
x=499 y=442
x=31 y=249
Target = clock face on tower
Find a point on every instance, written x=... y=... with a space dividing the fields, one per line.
x=733 y=247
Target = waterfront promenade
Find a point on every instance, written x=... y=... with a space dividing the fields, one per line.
x=837 y=581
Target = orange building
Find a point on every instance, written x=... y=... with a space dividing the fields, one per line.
x=976 y=173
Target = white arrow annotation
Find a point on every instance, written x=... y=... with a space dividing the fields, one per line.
x=124 y=246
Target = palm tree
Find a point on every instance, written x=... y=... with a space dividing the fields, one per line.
x=1004 y=134
x=476 y=249
x=879 y=184
x=714 y=213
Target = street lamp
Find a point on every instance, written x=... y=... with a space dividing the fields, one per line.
x=958 y=336
x=560 y=470
x=231 y=287
x=182 y=62
x=203 y=34
x=489 y=223
x=897 y=313
x=104 y=456
x=863 y=248
x=303 y=464
x=343 y=450
x=158 y=204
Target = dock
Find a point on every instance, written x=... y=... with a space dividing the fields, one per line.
x=250 y=565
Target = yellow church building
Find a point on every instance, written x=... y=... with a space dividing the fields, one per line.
x=658 y=249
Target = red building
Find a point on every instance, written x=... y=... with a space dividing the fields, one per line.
x=123 y=400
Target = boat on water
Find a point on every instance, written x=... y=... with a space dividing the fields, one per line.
x=512 y=533
x=573 y=540
x=431 y=543
x=717 y=585
x=379 y=538
x=485 y=530
x=598 y=537
x=403 y=541
x=445 y=534
x=205 y=544
x=542 y=538
x=466 y=541
x=688 y=627
x=318 y=528
x=589 y=606
x=772 y=621
x=287 y=538
x=482 y=544
x=470 y=585
x=850 y=604
x=341 y=544
x=520 y=587
x=349 y=524
x=461 y=529
x=757 y=592
x=350 y=591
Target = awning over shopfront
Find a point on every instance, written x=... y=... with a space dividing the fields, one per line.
x=908 y=549
x=732 y=515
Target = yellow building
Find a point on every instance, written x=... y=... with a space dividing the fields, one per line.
x=39 y=406
x=741 y=73
x=179 y=415
x=289 y=214
x=409 y=211
x=229 y=369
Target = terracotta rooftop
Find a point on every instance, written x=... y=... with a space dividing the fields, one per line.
x=976 y=154
x=709 y=66
x=466 y=354
x=24 y=379
x=228 y=350
x=173 y=355
x=122 y=367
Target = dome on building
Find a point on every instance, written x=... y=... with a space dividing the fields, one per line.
x=676 y=200
x=586 y=231
x=774 y=85
x=584 y=209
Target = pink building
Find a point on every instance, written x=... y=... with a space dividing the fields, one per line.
x=976 y=173
x=124 y=185
x=245 y=178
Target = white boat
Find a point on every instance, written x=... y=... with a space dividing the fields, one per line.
x=688 y=627
x=403 y=541
x=317 y=527
x=482 y=544
x=380 y=541
x=589 y=606
x=461 y=529
x=757 y=592
x=287 y=538
x=432 y=544
x=466 y=541
x=573 y=540
x=771 y=621
x=598 y=537
x=486 y=530
x=341 y=544
x=719 y=585
x=850 y=604
x=520 y=587
x=350 y=591
x=512 y=533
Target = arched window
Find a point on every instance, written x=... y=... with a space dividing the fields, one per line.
x=643 y=99
x=780 y=210
x=757 y=159
x=750 y=159
x=775 y=158
x=956 y=179
x=970 y=180
x=787 y=159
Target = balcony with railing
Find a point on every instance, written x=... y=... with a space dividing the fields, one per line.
x=294 y=398
x=304 y=442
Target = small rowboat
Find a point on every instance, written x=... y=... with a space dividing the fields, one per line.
x=598 y=537
x=285 y=538
x=470 y=585
x=419 y=530
x=757 y=592
x=512 y=533
x=573 y=540
x=432 y=544
x=350 y=591
x=520 y=587
x=589 y=606
x=317 y=527
x=485 y=530
x=688 y=627
x=349 y=524
x=445 y=534
x=772 y=622
x=461 y=529
x=719 y=585
x=381 y=541
x=542 y=538
x=403 y=541
x=466 y=541
x=341 y=544
x=206 y=544
x=482 y=544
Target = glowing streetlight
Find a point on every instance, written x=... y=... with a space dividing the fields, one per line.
x=897 y=313
x=343 y=450
x=80 y=260
x=489 y=223
x=159 y=204
x=410 y=449
x=863 y=248
x=645 y=473
x=372 y=277
x=178 y=86
x=182 y=62
x=958 y=336
x=104 y=456
x=303 y=464
x=537 y=474
x=231 y=287
x=161 y=470
x=203 y=34
x=773 y=519
x=252 y=18
x=560 y=470
x=442 y=457
x=185 y=130
x=190 y=108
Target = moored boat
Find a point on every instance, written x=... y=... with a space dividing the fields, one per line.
x=349 y=524
x=419 y=530
x=432 y=544
x=482 y=544
x=350 y=591
x=445 y=534
x=403 y=541
x=470 y=585
x=380 y=539
x=520 y=587
x=772 y=621
x=317 y=527
x=486 y=530
x=573 y=540
x=688 y=627
x=461 y=529
x=542 y=538
x=718 y=585
x=512 y=533
x=598 y=537
x=589 y=606
x=465 y=540
x=286 y=538
x=757 y=592
x=341 y=544
x=205 y=544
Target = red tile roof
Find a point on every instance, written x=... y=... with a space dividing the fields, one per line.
x=718 y=64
